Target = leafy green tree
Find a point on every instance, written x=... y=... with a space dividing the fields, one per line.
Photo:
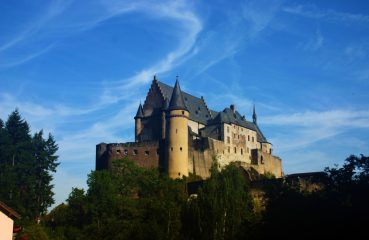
x=222 y=207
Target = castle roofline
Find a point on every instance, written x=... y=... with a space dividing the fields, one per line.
x=176 y=101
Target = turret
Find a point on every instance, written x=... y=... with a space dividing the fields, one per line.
x=138 y=123
x=254 y=118
x=163 y=118
x=177 y=134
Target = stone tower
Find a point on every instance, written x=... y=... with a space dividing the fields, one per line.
x=177 y=134
x=138 y=123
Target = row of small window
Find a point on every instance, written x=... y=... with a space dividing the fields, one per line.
x=235 y=150
x=171 y=149
x=234 y=126
x=134 y=152
x=238 y=136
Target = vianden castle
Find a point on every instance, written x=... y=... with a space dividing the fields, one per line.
x=178 y=133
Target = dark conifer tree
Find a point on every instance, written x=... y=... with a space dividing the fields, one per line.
x=26 y=165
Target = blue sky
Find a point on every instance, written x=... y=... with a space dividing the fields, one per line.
x=79 y=69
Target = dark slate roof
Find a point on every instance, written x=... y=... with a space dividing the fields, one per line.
x=166 y=104
x=196 y=106
x=139 y=113
x=199 y=112
x=227 y=116
x=176 y=101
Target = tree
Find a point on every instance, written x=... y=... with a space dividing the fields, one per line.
x=222 y=207
x=26 y=165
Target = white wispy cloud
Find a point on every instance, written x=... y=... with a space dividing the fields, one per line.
x=306 y=128
x=311 y=11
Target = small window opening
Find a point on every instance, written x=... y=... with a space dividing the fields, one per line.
x=135 y=152
x=176 y=130
x=179 y=174
x=147 y=153
x=182 y=112
x=125 y=152
x=241 y=151
x=180 y=148
x=235 y=150
x=229 y=149
x=261 y=160
x=118 y=151
x=171 y=149
x=197 y=112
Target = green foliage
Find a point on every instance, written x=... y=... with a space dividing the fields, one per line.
x=34 y=232
x=126 y=202
x=26 y=165
x=222 y=206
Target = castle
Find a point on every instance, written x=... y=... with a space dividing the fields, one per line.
x=178 y=133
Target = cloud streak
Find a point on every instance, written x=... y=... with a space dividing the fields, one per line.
x=311 y=126
x=311 y=11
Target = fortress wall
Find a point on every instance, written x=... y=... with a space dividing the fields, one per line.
x=264 y=162
x=143 y=154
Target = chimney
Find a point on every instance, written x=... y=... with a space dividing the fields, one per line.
x=233 y=108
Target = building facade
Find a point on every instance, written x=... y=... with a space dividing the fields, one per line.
x=178 y=133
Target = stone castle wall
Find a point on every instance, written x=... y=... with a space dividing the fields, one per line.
x=143 y=154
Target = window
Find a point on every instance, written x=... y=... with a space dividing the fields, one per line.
x=197 y=112
x=229 y=149
x=135 y=152
x=176 y=130
x=228 y=140
x=118 y=151
x=248 y=150
x=206 y=116
x=261 y=160
x=241 y=151
x=180 y=148
x=147 y=153
x=171 y=149
x=157 y=151
x=234 y=135
x=241 y=129
x=227 y=129
x=270 y=151
x=182 y=112
x=248 y=137
x=235 y=150
x=186 y=99
x=125 y=152
x=252 y=139
x=238 y=136
x=199 y=108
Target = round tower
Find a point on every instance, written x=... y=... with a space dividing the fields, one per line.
x=138 y=123
x=177 y=135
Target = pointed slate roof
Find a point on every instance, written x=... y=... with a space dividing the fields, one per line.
x=176 y=101
x=254 y=118
x=140 y=113
x=196 y=106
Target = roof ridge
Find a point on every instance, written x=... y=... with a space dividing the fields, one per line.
x=158 y=85
x=207 y=108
